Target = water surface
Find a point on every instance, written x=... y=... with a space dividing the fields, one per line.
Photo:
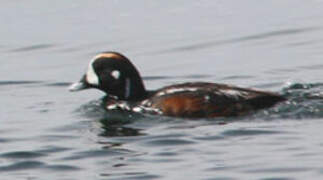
x=49 y=133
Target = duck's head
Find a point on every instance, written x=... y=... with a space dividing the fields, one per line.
x=114 y=74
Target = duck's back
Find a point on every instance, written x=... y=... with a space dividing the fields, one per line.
x=208 y=100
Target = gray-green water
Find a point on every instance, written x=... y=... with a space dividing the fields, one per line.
x=47 y=132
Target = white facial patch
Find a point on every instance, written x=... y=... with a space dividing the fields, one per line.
x=115 y=74
x=91 y=76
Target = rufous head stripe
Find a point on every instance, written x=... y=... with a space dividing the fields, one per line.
x=108 y=55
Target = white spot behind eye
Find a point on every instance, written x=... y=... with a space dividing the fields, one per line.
x=115 y=74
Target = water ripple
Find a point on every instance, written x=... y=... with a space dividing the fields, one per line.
x=53 y=149
x=22 y=155
x=278 y=178
x=130 y=175
x=248 y=132
x=295 y=69
x=23 y=83
x=237 y=77
x=58 y=84
x=280 y=170
x=260 y=36
x=96 y=153
x=32 y=47
x=61 y=167
x=304 y=101
x=24 y=165
x=221 y=178
x=5 y=140
x=27 y=165
x=169 y=142
x=278 y=33
x=7 y=83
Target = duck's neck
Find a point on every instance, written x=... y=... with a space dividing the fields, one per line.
x=134 y=90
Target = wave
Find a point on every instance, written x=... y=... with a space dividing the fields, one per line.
x=305 y=101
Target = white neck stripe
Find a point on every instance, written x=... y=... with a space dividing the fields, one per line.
x=128 y=88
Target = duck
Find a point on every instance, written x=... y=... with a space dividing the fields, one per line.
x=114 y=74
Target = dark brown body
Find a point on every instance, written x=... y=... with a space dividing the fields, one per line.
x=209 y=100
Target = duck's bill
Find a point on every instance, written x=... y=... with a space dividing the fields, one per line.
x=82 y=84
x=77 y=86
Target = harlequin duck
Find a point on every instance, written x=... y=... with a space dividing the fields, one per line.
x=114 y=74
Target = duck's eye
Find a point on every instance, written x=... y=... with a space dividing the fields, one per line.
x=115 y=74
